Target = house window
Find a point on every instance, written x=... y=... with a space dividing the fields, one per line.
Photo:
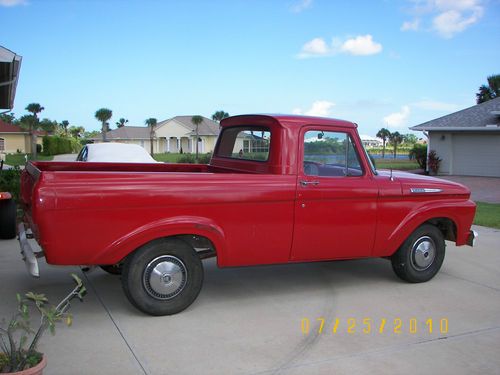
x=2 y=145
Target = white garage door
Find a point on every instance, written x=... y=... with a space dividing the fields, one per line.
x=476 y=154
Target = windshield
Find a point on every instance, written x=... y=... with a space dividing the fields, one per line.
x=370 y=162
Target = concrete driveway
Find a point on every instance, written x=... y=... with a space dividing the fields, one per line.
x=248 y=320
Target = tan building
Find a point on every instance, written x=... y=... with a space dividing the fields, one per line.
x=172 y=135
x=14 y=139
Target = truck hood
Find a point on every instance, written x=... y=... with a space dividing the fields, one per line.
x=414 y=185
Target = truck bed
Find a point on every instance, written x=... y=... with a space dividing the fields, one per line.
x=119 y=207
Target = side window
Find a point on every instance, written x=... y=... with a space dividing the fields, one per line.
x=330 y=154
x=247 y=143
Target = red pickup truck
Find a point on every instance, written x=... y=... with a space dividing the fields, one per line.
x=279 y=189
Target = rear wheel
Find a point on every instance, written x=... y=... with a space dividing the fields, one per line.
x=7 y=219
x=420 y=257
x=162 y=277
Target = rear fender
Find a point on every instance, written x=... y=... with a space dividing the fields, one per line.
x=173 y=226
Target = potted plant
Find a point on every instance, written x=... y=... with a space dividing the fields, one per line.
x=18 y=341
x=433 y=162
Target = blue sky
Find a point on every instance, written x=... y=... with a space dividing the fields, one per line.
x=380 y=64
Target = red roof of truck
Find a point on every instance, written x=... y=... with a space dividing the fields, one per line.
x=288 y=120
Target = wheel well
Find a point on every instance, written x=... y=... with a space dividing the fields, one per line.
x=446 y=226
x=202 y=245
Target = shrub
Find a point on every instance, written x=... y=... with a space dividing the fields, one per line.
x=419 y=153
x=55 y=145
x=10 y=180
x=190 y=158
x=434 y=161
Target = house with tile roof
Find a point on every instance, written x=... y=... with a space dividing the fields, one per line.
x=173 y=135
x=467 y=141
x=13 y=138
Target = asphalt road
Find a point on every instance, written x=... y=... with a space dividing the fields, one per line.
x=268 y=320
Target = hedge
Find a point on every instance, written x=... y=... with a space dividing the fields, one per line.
x=55 y=145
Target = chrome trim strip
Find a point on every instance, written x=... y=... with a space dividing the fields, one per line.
x=27 y=252
x=425 y=190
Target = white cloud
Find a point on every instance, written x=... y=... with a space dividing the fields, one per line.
x=449 y=17
x=361 y=45
x=314 y=48
x=411 y=25
x=398 y=119
x=12 y=3
x=432 y=105
x=320 y=108
x=300 y=6
x=452 y=22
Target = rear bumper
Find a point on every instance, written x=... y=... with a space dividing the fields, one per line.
x=29 y=256
x=471 y=239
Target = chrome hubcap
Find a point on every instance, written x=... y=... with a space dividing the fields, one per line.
x=165 y=277
x=423 y=253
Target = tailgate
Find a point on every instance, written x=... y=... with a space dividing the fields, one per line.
x=29 y=180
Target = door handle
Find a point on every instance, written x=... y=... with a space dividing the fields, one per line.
x=305 y=183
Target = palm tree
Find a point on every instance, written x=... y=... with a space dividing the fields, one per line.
x=76 y=131
x=103 y=115
x=489 y=92
x=121 y=122
x=197 y=120
x=9 y=118
x=383 y=134
x=395 y=139
x=35 y=109
x=219 y=116
x=151 y=122
x=64 y=125
x=48 y=126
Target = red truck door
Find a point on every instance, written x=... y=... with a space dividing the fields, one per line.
x=335 y=212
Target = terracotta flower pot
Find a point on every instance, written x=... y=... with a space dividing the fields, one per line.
x=37 y=370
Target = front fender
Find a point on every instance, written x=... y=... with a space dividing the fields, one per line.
x=169 y=227
x=461 y=213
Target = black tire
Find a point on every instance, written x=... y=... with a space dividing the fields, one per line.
x=420 y=257
x=171 y=292
x=8 y=213
x=113 y=269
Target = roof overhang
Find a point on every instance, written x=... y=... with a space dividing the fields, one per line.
x=10 y=65
x=459 y=129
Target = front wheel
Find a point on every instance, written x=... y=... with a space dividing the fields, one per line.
x=162 y=277
x=420 y=257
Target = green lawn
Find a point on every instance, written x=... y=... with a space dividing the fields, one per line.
x=182 y=158
x=400 y=164
x=18 y=159
x=487 y=215
x=169 y=158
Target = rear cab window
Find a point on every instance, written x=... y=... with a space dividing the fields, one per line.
x=251 y=143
